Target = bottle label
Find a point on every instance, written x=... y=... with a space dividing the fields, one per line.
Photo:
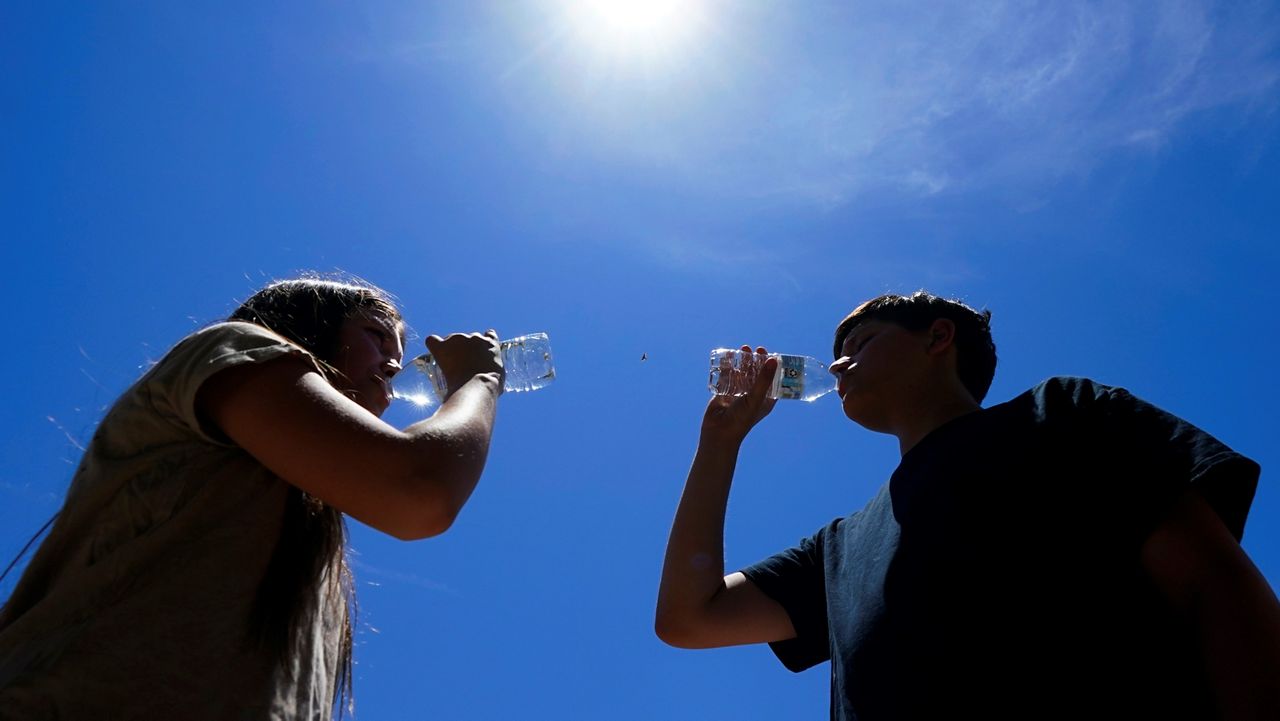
x=790 y=377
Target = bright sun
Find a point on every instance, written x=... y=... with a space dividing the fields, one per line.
x=631 y=26
x=632 y=17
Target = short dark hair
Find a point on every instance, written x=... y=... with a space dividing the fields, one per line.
x=975 y=350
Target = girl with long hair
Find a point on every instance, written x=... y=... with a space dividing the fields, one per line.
x=197 y=568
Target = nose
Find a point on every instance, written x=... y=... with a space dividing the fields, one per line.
x=840 y=366
x=391 y=367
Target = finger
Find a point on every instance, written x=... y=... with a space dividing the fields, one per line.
x=759 y=356
x=760 y=389
x=768 y=369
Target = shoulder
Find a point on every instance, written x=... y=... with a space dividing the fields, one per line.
x=225 y=344
x=1063 y=394
x=1074 y=388
x=1058 y=402
x=172 y=386
x=231 y=334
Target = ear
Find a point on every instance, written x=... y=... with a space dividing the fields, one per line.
x=942 y=336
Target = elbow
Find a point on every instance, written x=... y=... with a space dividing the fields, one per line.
x=429 y=492
x=666 y=633
x=435 y=519
x=671 y=630
x=427 y=510
x=418 y=529
x=425 y=519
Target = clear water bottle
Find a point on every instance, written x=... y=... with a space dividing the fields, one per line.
x=527 y=360
x=733 y=372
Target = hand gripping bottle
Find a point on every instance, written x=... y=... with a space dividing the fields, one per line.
x=527 y=360
x=798 y=378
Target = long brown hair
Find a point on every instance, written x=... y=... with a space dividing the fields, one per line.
x=310 y=554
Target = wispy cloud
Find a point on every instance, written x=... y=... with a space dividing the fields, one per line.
x=27 y=493
x=925 y=98
x=732 y=257
x=388 y=575
x=1024 y=93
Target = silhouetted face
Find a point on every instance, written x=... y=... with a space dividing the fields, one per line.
x=880 y=368
x=368 y=355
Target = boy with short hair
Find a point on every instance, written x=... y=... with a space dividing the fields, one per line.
x=1070 y=553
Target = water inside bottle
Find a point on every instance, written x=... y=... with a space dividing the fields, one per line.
x=733 y=372
x=528 y=363
x=420 y=382
x=527 y=360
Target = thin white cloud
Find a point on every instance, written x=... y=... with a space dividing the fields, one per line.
x=1028 y=94
x=392 y=576
x=728 y=256
x=826 y=102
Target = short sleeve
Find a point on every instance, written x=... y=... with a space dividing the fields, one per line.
x=1168 y=454
x=796 y=579
x=173 y=383
x=1151 y=457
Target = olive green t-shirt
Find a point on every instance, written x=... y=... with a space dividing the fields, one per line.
x=137 y=605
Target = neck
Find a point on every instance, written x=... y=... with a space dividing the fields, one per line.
x=931 y=416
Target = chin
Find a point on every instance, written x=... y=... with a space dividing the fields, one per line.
x=849 y=405
x=861 y=417
x=860 y=420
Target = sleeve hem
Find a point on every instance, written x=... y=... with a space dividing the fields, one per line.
x=213 y=350
x=796 y=654
x=1227 y=481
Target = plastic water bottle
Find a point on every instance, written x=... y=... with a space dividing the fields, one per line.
x=733 y=372
x=527 y=360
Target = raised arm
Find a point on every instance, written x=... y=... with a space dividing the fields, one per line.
x=1227 y=604
x=409 y=484
x=698 y=606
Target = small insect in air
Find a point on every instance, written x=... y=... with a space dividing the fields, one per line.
x=644 y=357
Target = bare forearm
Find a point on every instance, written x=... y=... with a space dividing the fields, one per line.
x=1240 y=634
x=698 y=607
x=455 y=445
x=467 y=414
x=1233 y=612
x=693 y=570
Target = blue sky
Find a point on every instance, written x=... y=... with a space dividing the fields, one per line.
x=1102 y=176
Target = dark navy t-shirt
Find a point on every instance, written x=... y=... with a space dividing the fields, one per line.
x=997 y=574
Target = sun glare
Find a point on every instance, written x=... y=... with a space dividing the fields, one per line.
x=632 y=17
x=630 y=26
